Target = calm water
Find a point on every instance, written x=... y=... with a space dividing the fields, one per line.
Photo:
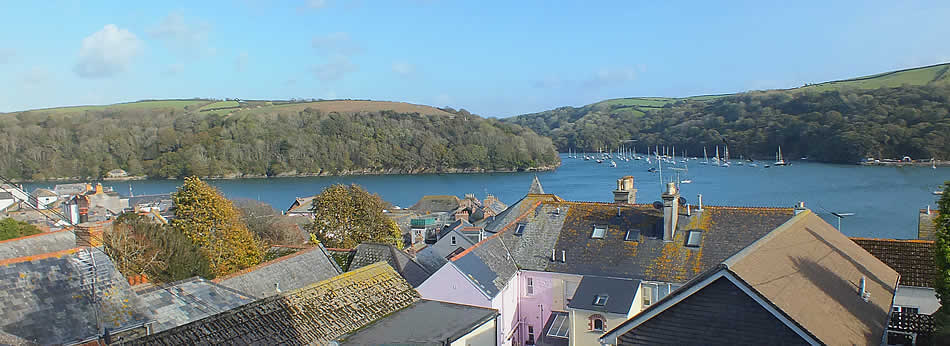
x=885 y=200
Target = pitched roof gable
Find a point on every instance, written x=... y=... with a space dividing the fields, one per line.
x=912 y=258
x=316 y=314
x=285 y=273
x=369 y=253
x=619 y=294
x=536 y=187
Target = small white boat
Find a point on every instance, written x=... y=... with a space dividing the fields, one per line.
x=686 y=181
x=938 y=192
x=613 y=164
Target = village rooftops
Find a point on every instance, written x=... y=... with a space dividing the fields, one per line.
x=912 y=258
x=57 y=298
x=369 y=253
x=316 y=314
x=436 y=203
x=283 y=274
x=545 y=233
x=37 y=244
x=803 y=283
x=189 y=300
x=427 y=322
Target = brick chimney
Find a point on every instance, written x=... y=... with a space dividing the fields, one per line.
x=625 y=193
x=461 y=215
x=670 y=211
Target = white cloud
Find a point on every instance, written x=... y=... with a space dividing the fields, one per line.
x=173 y=69
x=611 y=76
x=107 y=52
x=404 y=69
x=338 y=43
x=241 y=62
x=182 y=36
x=335 y=69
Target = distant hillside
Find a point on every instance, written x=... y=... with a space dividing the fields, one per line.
x=256 y=138
x=885 y=115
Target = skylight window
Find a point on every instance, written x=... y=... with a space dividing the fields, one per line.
x=520 y=229
x=632 y=235
x=560 y=326
x=600 y=300
x=694 y=238
x=599 y=232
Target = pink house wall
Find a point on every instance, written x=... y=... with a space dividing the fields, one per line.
x=449 y=285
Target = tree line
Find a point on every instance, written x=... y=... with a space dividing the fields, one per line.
x=840 y=126
x=169 y=143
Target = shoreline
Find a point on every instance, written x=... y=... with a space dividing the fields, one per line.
x=358 y=172
x=901 y=164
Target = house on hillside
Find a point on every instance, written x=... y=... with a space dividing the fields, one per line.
x=95 y=205
x=598 y=304
x=545 y=245
x=803 y=283
x=117 y=173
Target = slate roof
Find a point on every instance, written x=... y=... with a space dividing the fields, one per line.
x=619 y=293
x=286 y=273
x=189 y=300
x=315 y=314
x=301 y=205
x=536 y=187
x=458 y=225
x=44 y=193
x=808 y=272
x=913 y=259
x=563 y=229
x=369 y=253
x=48 y=300
x=37 y=244
x=427 y=322
x=926 y=220
x=436 y=203
x=5 y=195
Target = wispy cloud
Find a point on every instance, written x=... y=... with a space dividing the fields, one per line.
x=184 y=37
x=173 y=69
x=241 y=62
x=404 y=69
x=611 y=76
x=338 y=43
x=335 y=69
x=107 y=52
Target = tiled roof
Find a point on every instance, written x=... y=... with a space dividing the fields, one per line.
x=369 y=253
x=427 y=322
x=619 y=293
x=189 y=300
x=316 y=314
x=285 y=273
x=563 y=229
x=37 y=244
x=437 y=203
x=49 y=299
x=913 y=259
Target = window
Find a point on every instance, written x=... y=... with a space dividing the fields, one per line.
x=520 y=229
x=454 y=242
x=600 y=300
x=694 y=238
x=653 y=292
x=905 y=309
x=530 y=286
x=560 y=326
x=596 y=323
x=647 y=294
x=632 y=235
x=599 y=232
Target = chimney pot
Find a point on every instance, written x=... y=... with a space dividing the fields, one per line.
x=553 y=255
x=563 y=256
x=700 y=198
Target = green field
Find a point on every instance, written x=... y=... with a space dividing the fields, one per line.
x=220 y=104
x=172 y=104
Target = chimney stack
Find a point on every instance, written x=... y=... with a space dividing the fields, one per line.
x=625 y=192
x=670 y=211
x=800 y=207
x=563 y=256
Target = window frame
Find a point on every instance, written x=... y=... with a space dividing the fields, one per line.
x=592 y=323
x=690 y=235
x=597 y=299
x=529 y=286
x=603 y=233
x=565 y=324
x=519 y=228
x=627 y=237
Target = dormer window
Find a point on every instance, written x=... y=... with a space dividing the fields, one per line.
x=632 y=235
x=694 y=238
x=520 y=229
x=600 y=300
x=599 y=232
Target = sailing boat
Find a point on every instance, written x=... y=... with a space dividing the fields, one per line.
x=705 y=158
x=716 y=159
x=725 y=161
x=779 y=161
x=933 y=163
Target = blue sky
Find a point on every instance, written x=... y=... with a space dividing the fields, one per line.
x=493 y=58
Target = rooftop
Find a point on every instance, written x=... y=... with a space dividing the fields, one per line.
x=913 y=259
x=315 y=314
x=37 y=244
x=283 y=274
x=617 y=294
x=427 y=322
x=436 y=203
x=369 y=253
x=189 y=300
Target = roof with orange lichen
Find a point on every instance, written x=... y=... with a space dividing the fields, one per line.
x=545 y=233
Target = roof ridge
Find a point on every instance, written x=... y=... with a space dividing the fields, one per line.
x=59 y=253
x=33 y=236
x=502 y=230
x=262 y=265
